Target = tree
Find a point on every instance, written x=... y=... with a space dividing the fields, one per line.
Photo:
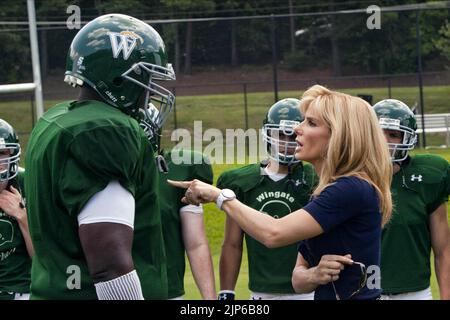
x=15 y=55
x=191 y=9
x=443 y=43
x=45 y=11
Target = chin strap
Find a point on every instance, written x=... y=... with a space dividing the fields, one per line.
x=161 y=162
x=403 y=164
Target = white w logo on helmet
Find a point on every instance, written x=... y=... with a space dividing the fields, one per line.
x=124 y=41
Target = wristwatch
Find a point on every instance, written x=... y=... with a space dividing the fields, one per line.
x=225 y=195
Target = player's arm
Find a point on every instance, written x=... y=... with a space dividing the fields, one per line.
x=301 y=276
x=197 y=250
x=271 y=232
x=12 y=204
x=230 y=258
x=106 y=235
x=440 y=241
x=306 y=279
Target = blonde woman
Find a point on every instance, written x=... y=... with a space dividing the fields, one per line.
x=341 y=138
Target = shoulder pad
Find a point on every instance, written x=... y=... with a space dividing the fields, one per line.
x=243 y=178
x=427 y=168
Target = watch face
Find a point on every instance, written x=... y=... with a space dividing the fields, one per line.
x=227 y=193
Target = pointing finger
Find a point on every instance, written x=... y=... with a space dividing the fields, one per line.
x=180 y=184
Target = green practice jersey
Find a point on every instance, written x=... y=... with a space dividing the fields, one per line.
x=15 y=263
x=171 y=204
x=74 y=151
x=418 y=189
x=270 y=270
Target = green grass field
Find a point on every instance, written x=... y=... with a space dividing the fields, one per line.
x=227 y=111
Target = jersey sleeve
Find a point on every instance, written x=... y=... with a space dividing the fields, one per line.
x=203 y=171
x=304 y=250
x=448 y=182
x=222 y=181
x=338 y=202
x=96 y=157
x=441 y=193
x=225 y=181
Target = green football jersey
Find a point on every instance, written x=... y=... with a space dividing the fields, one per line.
x=170 y=205
x=15 y=263
x=270 y=270
x=418 y=189
x=74 y=151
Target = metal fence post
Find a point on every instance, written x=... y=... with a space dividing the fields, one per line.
x=33 y=116
x=245 y=106
x=390 y=87
x=175 y=123
x=274 y=58
x=447 y=135
x=247 y=147
x=419 y=75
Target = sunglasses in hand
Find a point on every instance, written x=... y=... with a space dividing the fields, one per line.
x=362 y=282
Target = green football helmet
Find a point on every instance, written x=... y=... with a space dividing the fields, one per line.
x=121 y=57
x=395 y=115
x=9 y=144
x=281 y=119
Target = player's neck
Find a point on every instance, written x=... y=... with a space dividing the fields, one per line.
x=395 y=168
x=276 y=168
x=87 y=93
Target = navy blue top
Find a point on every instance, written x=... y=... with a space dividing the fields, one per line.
x=348 y=212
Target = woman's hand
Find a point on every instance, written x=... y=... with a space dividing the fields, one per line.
x=197 y=191
x=329 y=268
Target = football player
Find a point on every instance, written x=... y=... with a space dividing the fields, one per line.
x=16 y=248
x=420 y=189
x=183 y=226
x=275 y=187
x=92 y=183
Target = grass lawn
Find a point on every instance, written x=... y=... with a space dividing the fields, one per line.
x=228 y=110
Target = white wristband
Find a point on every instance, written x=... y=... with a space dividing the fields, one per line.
x=126 y=287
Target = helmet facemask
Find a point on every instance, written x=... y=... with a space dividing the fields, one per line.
x=9 y=166
x=280 y=150
x=399 y=151
x=158 y=101
x=148 y=121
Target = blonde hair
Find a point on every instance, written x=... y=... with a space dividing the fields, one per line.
x=357 y=146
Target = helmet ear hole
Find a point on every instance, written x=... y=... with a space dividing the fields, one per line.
x=118 y=81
